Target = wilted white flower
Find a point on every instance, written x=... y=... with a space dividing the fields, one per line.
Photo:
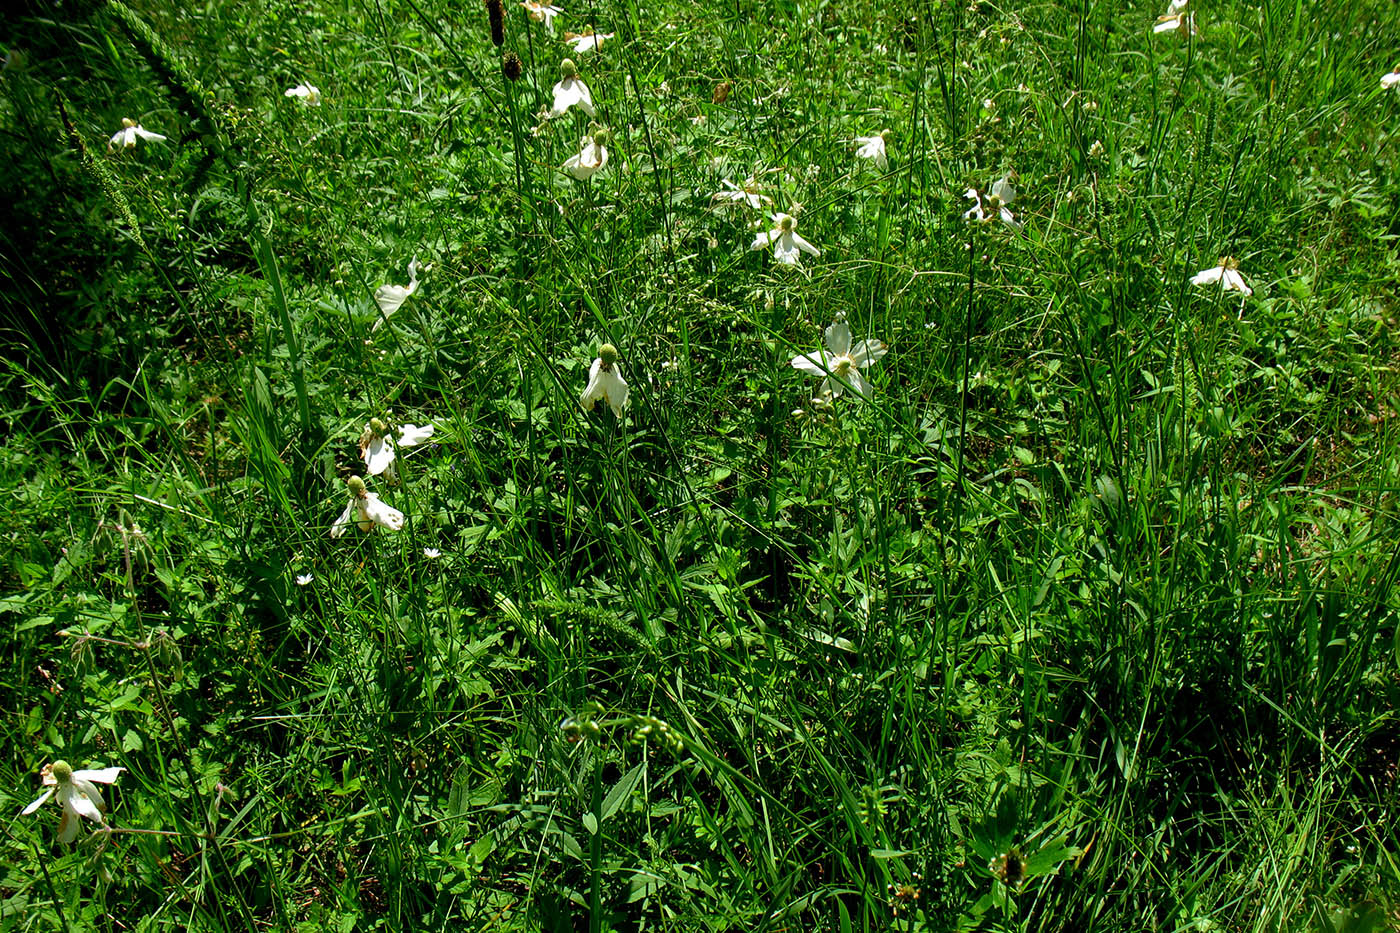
x=366 y=510
x=873 y=148
x=304 y=579
x=308 y=94
x=993 y=205
x=542 y=13
x=840 y=362
x=605 y=382
x=785 y=240
x=748 y=193
x=377 y=444
x=77 y=794
x=391 y=297
x=1227 y=274
x=570 y=91
x=592 y=155
x=1177 y=20
x=1391 y=78
x=125 y=138
x=586 y=41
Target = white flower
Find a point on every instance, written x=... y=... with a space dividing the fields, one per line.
x=126 y=137
x=304 y=579
x=840 y=362
x=366 y=510
x=542 y=13
x=588 y=40
x=308 y=94
x=77 y=794
x=391 y=297
x=1227 y=273
x=431 y=553
x=873 y=148
x=570 y=91
x=1177 y=20
x=747 y=192
x=591 y=157
x=377 y=444
x=785 y=240
x=1391 y=78
x=994 y=206
x=605 y=382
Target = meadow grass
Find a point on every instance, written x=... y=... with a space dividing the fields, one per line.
x=1082 y=618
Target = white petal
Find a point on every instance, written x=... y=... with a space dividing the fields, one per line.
x=803 y=245
x=1002 y=189
x=815 y=364
x=570 y=92
x=1390 y=79
x=391 y=297
x=1233 y=279
x=785 y=248
x=1009 y=219
x=838 y=338
x=614 y=389
x=75 y=800
x=858 y=382
x=378 y=455
x=410 y=435
x=102 y=775
x=1167 y=24
x=763 y=239
x=342 y=524
x=1208 y=276
x=594 y=390
x=145 y=133
x=380 y=512
x=868 y=351
x=68 y=826
x=43 y=798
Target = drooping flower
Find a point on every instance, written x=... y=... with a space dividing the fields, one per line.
x=1391 y=78
x=1177 y=19
x=307 y=94
x=1227 y=273
x=366 y=510
x=605 y=382
x=391 y=297
x=748 y=193
x=542 y=13
x=785 y=240
x=570 y=91
x=125 y=138
x=377 y=445
x=841 y=362
x=873 y=148
x=77 y=794
x=592 y=154
x=586 y=41
x=993 y=206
